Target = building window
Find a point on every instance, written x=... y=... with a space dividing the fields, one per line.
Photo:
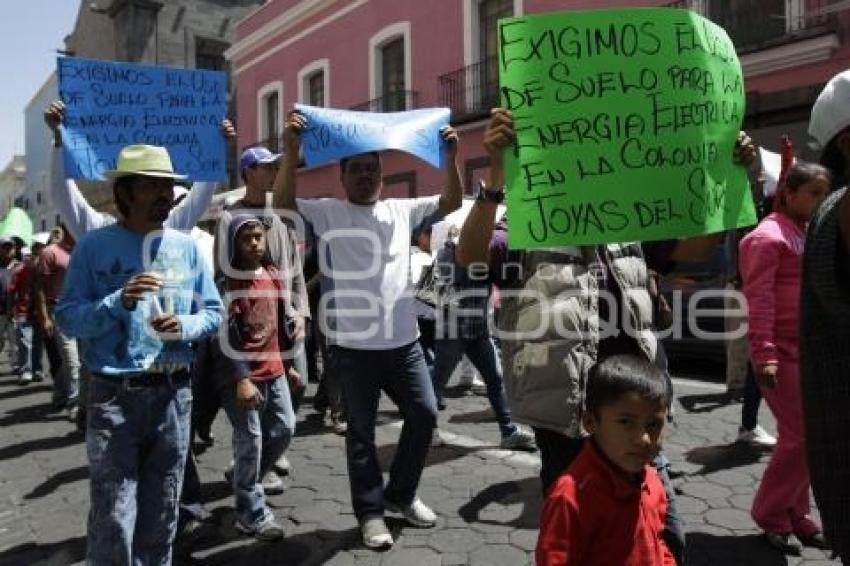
x=392 y=75
x=314 y=83
x=752 y=23
x=38 y=197
x=316 y=89
x=390 y=69
x=58 y=221
x=489 y=13
x=480 y=22
x=269 y=113
x=209 y=54
x=43 y=225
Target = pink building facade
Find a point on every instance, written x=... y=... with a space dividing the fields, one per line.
x=385 y=55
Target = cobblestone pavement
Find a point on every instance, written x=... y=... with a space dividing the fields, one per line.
x=487 y=498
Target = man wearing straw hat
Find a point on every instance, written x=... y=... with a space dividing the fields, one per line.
x=139 y=294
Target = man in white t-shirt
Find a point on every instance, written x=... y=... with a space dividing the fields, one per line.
x=367 y=311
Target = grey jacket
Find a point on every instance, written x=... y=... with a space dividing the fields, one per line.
x=549 y=327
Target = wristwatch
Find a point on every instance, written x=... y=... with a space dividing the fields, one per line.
x=496 y=194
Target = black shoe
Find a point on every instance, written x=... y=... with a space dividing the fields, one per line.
x=783 y=543
x=441 y=405
x=816 y=540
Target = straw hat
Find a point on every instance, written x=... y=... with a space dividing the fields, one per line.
x=146 y=160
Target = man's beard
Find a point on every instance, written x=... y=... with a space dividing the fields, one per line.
x=159 y=211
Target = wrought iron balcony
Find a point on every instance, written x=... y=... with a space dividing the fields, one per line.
x=396 y=101
x=757 y=24
x=471 y=91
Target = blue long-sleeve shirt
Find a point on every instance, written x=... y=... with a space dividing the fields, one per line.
x=120 y=341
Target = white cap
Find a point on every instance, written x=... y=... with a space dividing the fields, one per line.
x=831 y=112
x=41 y=238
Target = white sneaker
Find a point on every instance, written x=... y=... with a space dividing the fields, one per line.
x=375 y=533
x=268 y=530
x=756 y=437
x=282 y=466
x=24 y=378
x=417 y=513
x=272 y=484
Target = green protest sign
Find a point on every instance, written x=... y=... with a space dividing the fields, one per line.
x=626 y=122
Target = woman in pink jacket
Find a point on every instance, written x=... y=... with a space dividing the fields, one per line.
x=770 y=259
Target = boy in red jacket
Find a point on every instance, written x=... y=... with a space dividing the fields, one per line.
x=608 y=508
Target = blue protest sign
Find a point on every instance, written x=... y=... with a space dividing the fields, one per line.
x=332 y=134
x=109 y=105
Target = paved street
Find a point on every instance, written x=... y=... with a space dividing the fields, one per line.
x=487 y=498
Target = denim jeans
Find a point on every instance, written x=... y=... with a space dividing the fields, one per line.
x=137 y=439
x=482 y=353
x=260 y=437
x=68 y=387
x=29 y=347
x=402 y=373
x=752 y=401
x=7 y=336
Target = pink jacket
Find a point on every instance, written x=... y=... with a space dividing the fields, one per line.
x=771 y=266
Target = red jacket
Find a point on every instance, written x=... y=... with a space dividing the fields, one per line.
x=19 y=288
x=595 y=516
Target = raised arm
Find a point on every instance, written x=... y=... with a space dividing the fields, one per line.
x=185 y=215
x=284 y=184
x=76 y=213
x=452 y=196
x=477 y=230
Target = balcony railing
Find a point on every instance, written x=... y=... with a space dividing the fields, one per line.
x=397 y=101
x=471 y=91
x=757 y=24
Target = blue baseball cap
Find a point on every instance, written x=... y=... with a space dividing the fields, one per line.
x=256 y=156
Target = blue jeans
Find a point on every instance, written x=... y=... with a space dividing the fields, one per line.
x=29 y=347
x=482 y=353
x=752 y=401
x=260 y=436
x=402 y=373
x=137 y=439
